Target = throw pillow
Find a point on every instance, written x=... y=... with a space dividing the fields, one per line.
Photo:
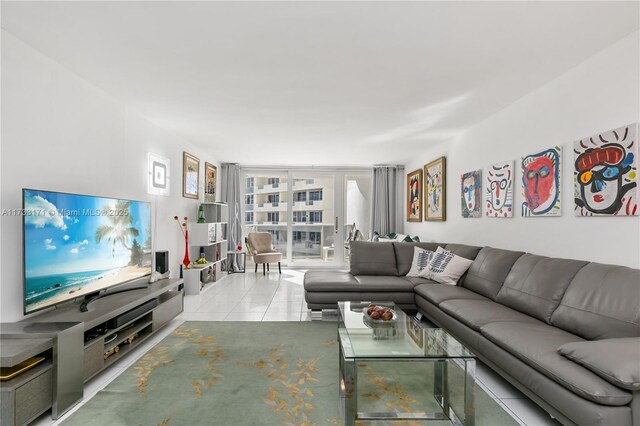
x=399 y=237
x=421 y=259
x=446 y=267
x=416 y=239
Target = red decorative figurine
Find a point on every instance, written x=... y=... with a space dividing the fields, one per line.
x=185 y=233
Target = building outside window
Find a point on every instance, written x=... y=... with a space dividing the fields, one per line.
x=278 y=237
x=273 y=198
x=299 y=217
x=315 y=237
x=249 y=185
x=299 y=236
x=315 y=195
x=299 y=196
x=248 y=217
x=248 y=200
x=273 y=217
x=315 y=217
x=273 y=181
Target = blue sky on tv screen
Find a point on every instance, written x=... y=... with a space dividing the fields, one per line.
x=60 y=233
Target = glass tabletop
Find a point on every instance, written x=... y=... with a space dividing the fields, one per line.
x=402 y=337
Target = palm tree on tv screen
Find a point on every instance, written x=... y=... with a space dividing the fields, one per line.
x=119 y=229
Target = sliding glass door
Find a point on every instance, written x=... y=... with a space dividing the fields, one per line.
x=311 y=214
x=265 y=206
x=313 y=224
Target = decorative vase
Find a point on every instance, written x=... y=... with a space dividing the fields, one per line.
x=186 y=261
x=201 y=214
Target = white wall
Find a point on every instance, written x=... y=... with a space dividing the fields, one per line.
x=598 y=95
x=61 y=133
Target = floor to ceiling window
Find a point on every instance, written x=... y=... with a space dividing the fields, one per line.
x=309 y=213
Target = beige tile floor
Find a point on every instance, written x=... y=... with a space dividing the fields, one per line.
x=275 y=297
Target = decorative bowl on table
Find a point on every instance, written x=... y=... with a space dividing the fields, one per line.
x=200 y=263
x=382 y=320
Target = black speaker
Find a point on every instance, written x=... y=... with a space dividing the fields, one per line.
x=162 y=261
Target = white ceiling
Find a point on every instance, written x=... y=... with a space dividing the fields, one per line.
x=327 y=83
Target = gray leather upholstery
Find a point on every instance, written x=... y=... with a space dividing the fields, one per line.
x=601 y=303
x=489 y=270
x=418 y=280
x=537 y=344
x=477 y=313
x=437 y=293
x=337 y=281
x=463 y=250
x=565 y=405
x=404 y=254
x=536 y=284
x=327 y=299
x=369 y=258
x=328 y=281
x=574 y=409
x=383 y=283
x=615 y=360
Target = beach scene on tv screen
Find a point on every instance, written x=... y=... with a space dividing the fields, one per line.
x=77 y=244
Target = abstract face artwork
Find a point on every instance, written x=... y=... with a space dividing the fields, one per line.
x=471 y=194
x=541 y=183
x=499 y=190
x=435 y=187
x=414 y=196
x=606 y=173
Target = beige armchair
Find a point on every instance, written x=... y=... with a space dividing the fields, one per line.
x=260 y=245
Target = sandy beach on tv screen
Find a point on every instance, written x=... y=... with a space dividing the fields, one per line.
x=125 y=274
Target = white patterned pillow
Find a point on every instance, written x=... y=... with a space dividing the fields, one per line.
x=446 y=267
x=421 y=259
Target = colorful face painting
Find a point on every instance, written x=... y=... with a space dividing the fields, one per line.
x=499 y=190
x=541 y=183
x=414 y=196
x=606 y=173
x=471 y=194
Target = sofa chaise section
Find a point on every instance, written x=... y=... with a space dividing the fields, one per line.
x=544 y=305
x=324 y=289
x=377 y=273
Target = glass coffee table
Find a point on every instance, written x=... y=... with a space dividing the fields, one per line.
x=402 y=340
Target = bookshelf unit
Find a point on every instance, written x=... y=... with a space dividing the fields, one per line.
x=211 y=237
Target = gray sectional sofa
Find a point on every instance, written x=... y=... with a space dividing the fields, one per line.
x=564 y=332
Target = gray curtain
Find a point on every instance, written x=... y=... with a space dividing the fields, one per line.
x=230 y=194
x=387 y=199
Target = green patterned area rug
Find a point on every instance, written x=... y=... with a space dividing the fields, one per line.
x=252 y=373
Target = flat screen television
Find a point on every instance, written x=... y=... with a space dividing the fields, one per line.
x=77 y=245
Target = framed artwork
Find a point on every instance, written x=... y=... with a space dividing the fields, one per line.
x=606 y=173
x=190 y=176
x=158 y=181
x=541 y=183
x=414 y=196
x=499 y=190
x=471 y=194
x=435 y=189
x=210 y=179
